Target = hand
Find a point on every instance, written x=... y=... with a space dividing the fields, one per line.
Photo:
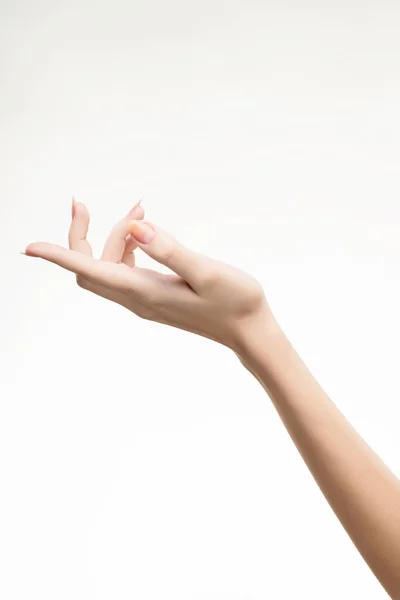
x=202 y=295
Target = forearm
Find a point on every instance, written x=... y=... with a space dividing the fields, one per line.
x=361 y=490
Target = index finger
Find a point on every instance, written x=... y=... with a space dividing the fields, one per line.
x=107 y=274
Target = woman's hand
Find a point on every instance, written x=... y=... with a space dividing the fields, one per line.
x=203 y=295
x=222 y=303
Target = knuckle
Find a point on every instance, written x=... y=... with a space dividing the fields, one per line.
x=144 y=313
x=169 y=254
x=82 y=282
x=255 y=296
x=256 y=290
x=139 y=312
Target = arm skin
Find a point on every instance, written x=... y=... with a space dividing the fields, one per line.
x=222 y=303
x=361 y=490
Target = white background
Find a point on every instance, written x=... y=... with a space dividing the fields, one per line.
x=138 y=461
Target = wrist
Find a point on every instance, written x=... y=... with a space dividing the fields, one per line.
x=259 y=337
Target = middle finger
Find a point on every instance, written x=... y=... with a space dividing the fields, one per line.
x=115 y=245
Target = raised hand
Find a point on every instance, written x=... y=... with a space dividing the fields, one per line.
x=220 y=302
x=202 y=295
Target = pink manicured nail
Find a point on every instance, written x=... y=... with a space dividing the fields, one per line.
x=142 y=232
x=130 y=213
x=73 y=206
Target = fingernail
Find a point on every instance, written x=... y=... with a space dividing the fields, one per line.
x=134 y=207
x=142 y=232
x=73 y=206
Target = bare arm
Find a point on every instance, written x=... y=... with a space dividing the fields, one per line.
x=359 y=487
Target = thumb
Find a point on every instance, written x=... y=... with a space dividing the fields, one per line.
x=192 y=266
